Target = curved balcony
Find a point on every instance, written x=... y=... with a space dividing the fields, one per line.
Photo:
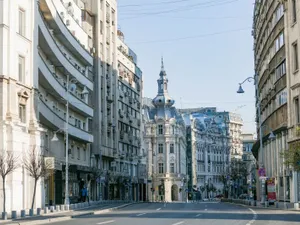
x=51 y=12
x=54 y=121
x=60 y=57
x=52 y=84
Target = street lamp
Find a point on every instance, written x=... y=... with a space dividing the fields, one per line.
x=70 y=86
x=271 y=136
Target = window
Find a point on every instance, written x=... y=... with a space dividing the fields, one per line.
x=295 y=51
x=279 y=12
x=78 y=153
x=297 y=110
x=160 y=168
x=84 y=154
x=22 y=22
x=21 y=69
x=160 y=148
x=160 y=129
x=22 y=113
x=172 y=148
x=280 y=71
x=294 y=11
x=172 y=168
x=279 y=42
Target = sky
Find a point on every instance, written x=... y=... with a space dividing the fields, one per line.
x=207 y=49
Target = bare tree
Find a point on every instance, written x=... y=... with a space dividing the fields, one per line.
x=37 y=168
x=8 y=164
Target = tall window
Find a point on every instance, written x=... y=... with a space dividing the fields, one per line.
x=160 y=129
x=172 y=148
x=78 y=153
x=160 y=148
x=22 y=22
x=21 y=69
x=172 y=168
x=84 y=154
x=22 y=113
x=296 y=61
x=160 y=168
x=294 y=11
x=297 y=110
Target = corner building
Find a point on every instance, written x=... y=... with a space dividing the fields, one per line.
x=164 y=140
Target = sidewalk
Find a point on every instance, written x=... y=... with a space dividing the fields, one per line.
x=256 y=204
x=66 y=215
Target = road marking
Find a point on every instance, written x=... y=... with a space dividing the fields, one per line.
x=254 y=217
x=105 y=222
x=178 y=223
x=158 y=209
x=205 y=209
x=140 y=214
x=198 y=215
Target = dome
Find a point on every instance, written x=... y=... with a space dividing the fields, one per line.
x=163 y=100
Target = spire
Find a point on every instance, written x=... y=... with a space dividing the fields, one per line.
x=162 y=99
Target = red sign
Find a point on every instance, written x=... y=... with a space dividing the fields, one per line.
x=271 y=189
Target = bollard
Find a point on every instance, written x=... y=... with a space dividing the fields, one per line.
x=30 y=212
x=14 y=214
x=4 y=215
x=23 y=213
x=52 y=208
x=266 y=203
x=57 y=207
x=46 y=210
x=62 y=207
x=67 y=207
x=38 y=211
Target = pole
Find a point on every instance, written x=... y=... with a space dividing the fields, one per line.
x=67 y=146
x=260 y=138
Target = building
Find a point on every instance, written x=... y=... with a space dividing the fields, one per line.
x=61 y=82
x=250 y=161
x=165 y=143
x=275 y=34
x=128 y=172
x=208 y=151
x=235 y=129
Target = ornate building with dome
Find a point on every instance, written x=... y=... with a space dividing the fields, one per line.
x=165 y=142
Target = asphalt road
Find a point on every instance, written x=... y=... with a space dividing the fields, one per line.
x=204 y=213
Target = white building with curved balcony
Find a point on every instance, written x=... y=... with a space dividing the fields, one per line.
x=55 y=56
x=164 y=140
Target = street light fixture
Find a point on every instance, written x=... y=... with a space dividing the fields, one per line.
x=271 y=135
x=70 y=87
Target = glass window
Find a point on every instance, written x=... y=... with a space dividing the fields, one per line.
x=160 y=129
x=171 y=148
x=22 y=22
x=160 y=148
x=22 y=113
x=21 y=69
x=172 y=168
x=160 y=168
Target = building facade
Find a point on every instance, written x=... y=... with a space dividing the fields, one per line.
x=208 y=151
x=59 y=95
x=276 y=62
x=164 y=141
x=250 y=162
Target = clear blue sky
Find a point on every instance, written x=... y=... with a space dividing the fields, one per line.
x=206 y=45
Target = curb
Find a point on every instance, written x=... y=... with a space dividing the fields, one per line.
x=64 y=218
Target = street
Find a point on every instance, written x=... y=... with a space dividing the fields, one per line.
x=204 y=213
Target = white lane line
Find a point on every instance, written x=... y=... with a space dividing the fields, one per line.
x=198 y=215
x=254 y=217
x=178 y=223
x=105 y=222
x=205 y=210
x=158 y=209
x=140 y=214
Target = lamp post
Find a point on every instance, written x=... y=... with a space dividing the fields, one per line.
x=70 y=86
x=272 y=136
